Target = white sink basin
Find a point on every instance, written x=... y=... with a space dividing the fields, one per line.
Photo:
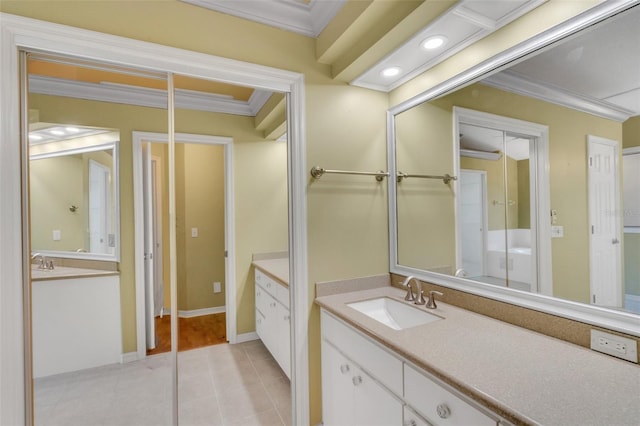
x=394 y=314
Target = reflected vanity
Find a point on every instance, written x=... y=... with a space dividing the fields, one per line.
x=522 y=216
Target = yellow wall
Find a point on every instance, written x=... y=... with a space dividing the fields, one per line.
x=56 y=184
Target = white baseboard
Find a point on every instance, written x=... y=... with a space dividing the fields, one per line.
x=198 y=312
x=247 y=337
x=128 y=357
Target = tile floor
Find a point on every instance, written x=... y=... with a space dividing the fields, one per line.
x=218 y=385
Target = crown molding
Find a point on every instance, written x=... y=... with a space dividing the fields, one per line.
x=514 y=82
x=290 y=15
x=141 y=96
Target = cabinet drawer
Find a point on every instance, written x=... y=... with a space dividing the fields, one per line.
x=274 y=288
x=438 y=405
x=261 y=299
x=411 y=418
x=375 y=360
x=260 y=324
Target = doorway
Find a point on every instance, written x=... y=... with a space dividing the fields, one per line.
x=513 y=154
x=145 y=146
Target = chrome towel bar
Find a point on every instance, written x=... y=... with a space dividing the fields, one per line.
x=446 y=178
x=317 y=173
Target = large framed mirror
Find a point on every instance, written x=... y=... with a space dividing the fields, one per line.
x=509 y=176
x=74 y=191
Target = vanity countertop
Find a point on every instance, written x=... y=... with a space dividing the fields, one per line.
x=526 y=377
x=276 y=268
x=66 y=272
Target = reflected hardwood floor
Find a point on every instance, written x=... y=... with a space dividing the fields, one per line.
x=195 y=332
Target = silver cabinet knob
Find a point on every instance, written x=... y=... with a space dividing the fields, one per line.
x=615 y=241
x=357 y=380
x=443 y=411
x=344 y=368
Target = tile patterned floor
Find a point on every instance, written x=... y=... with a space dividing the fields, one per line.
x=218 y=385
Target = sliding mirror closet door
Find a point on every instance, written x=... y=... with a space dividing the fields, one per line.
x=81 y=115
x=231 y=211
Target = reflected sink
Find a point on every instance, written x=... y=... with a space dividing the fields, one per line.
x=393 y=314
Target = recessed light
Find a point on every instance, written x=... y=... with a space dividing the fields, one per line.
x=57 y=132
x=434 y=42
x=390 y=72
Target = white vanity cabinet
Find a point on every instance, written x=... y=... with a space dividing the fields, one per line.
x=364 y=383
x=273 y=318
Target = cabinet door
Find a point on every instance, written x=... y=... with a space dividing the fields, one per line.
x=413 y=419
x=260 y=322
x=337 y=388
x=284 y=339
x=374 y=405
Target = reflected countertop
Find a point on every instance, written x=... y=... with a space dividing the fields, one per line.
x=66 y=272
x=524 y=376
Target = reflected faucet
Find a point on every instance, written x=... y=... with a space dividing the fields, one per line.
x=417 y=299
x=42 y=261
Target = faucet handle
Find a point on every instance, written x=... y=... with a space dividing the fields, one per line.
x=431 y=304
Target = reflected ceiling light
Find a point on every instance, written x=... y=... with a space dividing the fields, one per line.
x=35 y=137
x=434 y=42
x=57 y=132
x=390 y=72
x=72 y=129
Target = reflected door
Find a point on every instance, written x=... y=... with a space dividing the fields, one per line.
x=472 y=222
x=605 y=266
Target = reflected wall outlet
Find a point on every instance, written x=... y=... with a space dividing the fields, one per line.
x=615 y=345
x=217 y=287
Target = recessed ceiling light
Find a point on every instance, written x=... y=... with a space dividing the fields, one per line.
x=57 y=132
x=434 y=42
x=390 y=72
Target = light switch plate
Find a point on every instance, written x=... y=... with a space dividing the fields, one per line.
x=194 y=232
x=57 y=235
x=557 y=231
x=612 y=344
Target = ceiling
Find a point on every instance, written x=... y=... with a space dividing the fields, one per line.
x=357 y=39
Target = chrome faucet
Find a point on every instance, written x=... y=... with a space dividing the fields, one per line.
x=431 y=304
x=42 y=261
x=418 y=298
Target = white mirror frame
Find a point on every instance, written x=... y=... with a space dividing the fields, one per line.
x=615 y=320
x=19 y=33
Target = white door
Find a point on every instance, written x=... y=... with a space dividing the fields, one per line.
x=604 y=222
x=99 y=207
x=147 y=190
x=472 y=224
x=156 y=194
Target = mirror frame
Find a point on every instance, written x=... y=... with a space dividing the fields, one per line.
x=115 y=181
x=19 y=33
x=623 y=322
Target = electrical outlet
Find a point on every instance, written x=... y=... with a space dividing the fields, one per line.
x=614 y=345
x=217 y=287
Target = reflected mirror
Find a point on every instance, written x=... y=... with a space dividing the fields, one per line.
x=517 y=180
x=73 y=190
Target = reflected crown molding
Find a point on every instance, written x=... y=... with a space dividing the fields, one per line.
x=141 y=96
x=514 y=82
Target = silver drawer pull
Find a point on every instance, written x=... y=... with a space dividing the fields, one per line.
x=344 y=368
x=443 y=411
x=273 y=304
x=357 y=380
x=287 y=317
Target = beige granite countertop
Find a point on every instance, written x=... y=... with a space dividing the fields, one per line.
x=527 y=377
x=276 y=268
x=65 y=272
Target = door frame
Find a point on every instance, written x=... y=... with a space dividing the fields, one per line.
x=20 y=33
x=539 y=181
x=138 y=139
x=591 y=139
